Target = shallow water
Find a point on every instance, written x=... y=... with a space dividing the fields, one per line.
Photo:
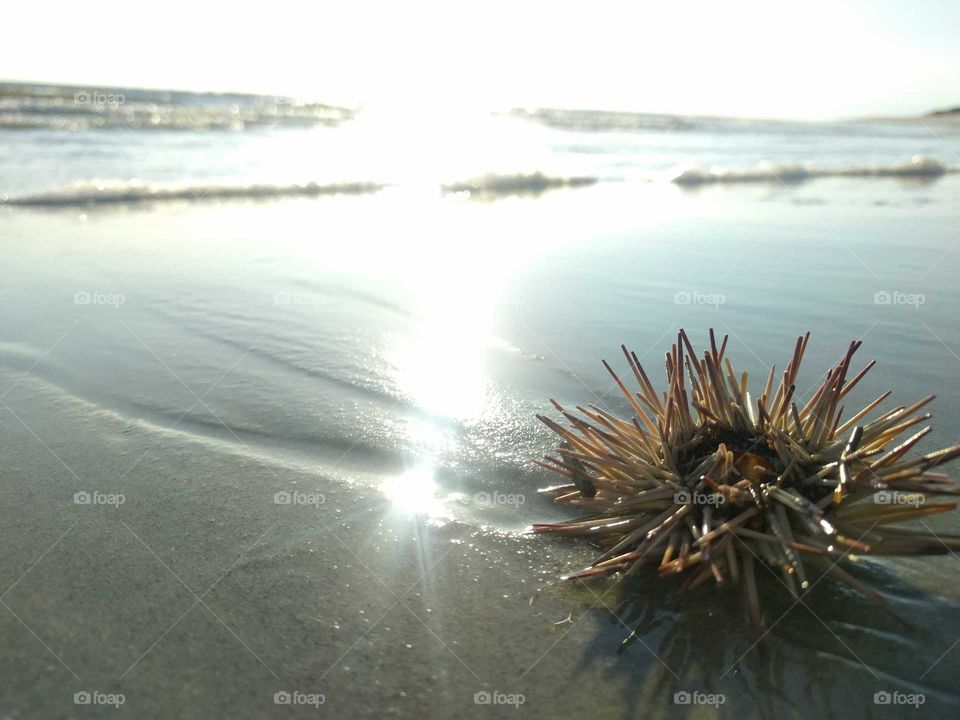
x=382 y=357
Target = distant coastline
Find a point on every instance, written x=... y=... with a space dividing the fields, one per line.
x=29 y=106
x=560 y=118
x=948 y=112
x=53 y=89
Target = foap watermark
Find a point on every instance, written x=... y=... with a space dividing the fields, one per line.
x=95 y=297
x=886 y=697
x=97 y=99
x=95 y=697
x=285 y=297
x=99 y=498
x=896 y=297
x=297 y=498
x=685 y=497
x=499 y=498
x=684 y=697
x=296 y=697
x=888 y=497
x=698 y=298
x=496 y=697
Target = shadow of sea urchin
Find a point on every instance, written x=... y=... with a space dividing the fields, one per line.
x=703 y=482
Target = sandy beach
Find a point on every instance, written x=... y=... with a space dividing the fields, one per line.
x=261 y=448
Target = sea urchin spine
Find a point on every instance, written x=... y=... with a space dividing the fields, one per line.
x=704 y=481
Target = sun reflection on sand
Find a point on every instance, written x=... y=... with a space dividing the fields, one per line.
x=441 y=363
x=454 y=276
x=416 y=493
x=442 y=370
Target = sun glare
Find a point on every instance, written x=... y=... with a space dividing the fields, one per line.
x=414 y=493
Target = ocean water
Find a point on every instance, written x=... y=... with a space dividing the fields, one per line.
x=79 y=146
x=213 y=304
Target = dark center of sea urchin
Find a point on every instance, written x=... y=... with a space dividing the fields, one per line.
x=705 y=482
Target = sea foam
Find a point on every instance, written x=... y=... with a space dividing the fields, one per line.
x=916 y=167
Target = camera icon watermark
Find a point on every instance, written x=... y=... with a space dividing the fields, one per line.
x=95 y=297
x=686 y=497
x=496 y=697
x=888 y=497
x=699 y=298
x=285 y=297
x=886 y=697
x=95 y=697
x=99 y=498
x=284 y=497
x=296 y=697
x=96 y=99
x=896 y=297
x=683 y=697
x=499 y=498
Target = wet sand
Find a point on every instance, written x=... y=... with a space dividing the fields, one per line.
x=384 y=370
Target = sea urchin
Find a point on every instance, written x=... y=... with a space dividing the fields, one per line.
x=705 y=482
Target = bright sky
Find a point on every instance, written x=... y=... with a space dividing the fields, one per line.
x=738 y=57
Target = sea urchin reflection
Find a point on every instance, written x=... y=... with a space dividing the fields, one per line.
x=704 y=482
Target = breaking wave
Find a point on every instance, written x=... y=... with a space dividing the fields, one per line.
x=519 y=184
x=131 y=193
x=604 y=120
x=916 y=167
x=120 y=192
x=485 y=187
